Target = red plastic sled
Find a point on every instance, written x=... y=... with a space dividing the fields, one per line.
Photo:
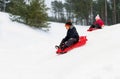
x=92 y=29
x=81 y=42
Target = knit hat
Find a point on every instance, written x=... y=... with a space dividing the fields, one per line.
x=68 y=23
x=97 y=17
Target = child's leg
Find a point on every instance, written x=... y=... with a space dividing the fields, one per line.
x=62 y=43
x=97 y=26
x=92 y=26
x=68 y=43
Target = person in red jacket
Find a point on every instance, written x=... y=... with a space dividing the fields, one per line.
x=98 y=24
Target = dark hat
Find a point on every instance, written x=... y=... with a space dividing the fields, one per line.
x=68 y=23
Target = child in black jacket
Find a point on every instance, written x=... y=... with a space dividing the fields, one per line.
x=71 y=38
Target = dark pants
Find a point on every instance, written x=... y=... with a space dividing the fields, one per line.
x=95 y=26
x=69 y=42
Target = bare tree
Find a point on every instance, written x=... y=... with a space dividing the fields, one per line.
x=105 y=11
x=114 y=10
x=4 y=5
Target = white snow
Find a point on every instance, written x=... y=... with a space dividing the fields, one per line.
x=27 y=53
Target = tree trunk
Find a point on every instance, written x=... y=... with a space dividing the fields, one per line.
x=106 y=12
x=114 y=11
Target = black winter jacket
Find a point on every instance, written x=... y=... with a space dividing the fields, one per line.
x=72 y=33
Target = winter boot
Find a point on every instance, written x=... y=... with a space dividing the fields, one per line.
x=57 y=47
x=63 y=47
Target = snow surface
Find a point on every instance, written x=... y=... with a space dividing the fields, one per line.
x=27 y=53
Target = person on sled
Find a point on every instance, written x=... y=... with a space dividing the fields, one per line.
x=98 y=24
x=71 y=37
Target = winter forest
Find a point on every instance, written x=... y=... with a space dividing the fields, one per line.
x=85 y=10
x=34 y=12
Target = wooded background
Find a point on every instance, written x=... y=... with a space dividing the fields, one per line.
x=83 y=12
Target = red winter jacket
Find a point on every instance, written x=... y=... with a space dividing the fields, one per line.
x=99 y=22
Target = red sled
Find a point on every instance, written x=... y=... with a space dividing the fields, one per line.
x=81 y=42
x=92 y=29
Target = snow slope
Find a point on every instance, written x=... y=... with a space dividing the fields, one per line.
x=27 y=53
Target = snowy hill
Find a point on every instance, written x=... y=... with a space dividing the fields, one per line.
x=27 y=53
